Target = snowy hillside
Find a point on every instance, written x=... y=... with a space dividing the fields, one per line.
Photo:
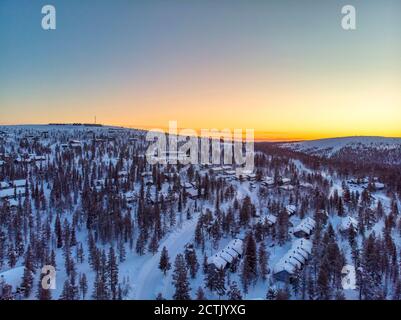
x=364 y=148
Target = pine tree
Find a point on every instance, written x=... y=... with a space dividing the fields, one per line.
x=192 y=261
x=27 y=279
x=200 y=294
x=57 y=230
x=164 y=264
x=121 y=251
x=282 y=226
x=323 y=288
x=180 y=279
x=154 y=243
x=112 y=272
x=83 y=285
x=263 y=261
x=215 y=280
x=234 y=293
x=282 y=295
x=66 y=293
x=271 y=294
x=250 y=263
x=43 y=293
x=160 y=297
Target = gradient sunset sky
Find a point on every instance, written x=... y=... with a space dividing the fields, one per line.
x=285 y=68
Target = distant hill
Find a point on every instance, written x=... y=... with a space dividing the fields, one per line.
x=368 y=149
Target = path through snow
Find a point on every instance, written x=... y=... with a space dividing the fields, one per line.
x=150 y=280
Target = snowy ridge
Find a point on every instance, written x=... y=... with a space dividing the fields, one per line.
x=332 y=146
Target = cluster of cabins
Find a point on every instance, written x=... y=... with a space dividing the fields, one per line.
x=72 y=144
x=225 y=257
x=10 y=191
x=305 y=228
x=295 y=258
x=21 y=158
x=29 y=158
x=228 y=173
x=287 y=267
x=364 y=182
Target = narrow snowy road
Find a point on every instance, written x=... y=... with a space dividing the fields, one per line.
x=150 y=280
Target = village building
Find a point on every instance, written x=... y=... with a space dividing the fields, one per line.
x=293 y=261
x=225 y=257
x=291 y=209
x=306 y=185
x=268 y=182
x=75 y=144
x=285 y=181
x=11 y=193
x=305 y=228
x=287 y=187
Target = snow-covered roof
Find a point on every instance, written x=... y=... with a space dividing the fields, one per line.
x=303 y=244
x=306 y=185
x=347 y=223
x=9 y=193
x=236 y=245
x=291 y=209
x=226 y=255
x=271 y=219
x=379 y=185
x=268 y=181
x=218 y=261
x=295 y=257
x=187 y=185
x=13 y=203
x=285 y=180
x=122 y=173
x=19 y=183
x=306 y=225
x=4 y=185
x=286 y=263
x=230 y=172
x=287 y=187
x=192 y=192
x=146 y=174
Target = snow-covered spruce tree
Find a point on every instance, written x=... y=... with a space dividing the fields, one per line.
x=371 y=282
x=154 y=244
x=263 y=259
x=164 y=263
x=180 y=279
x=250 y=264
x=192 y=261
x=282 y=226
x=112 y=273
x=234 y=293
x=29 y=270
x=200 y=294
x=83 y=285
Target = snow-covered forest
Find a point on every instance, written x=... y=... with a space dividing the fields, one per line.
x=84 y=200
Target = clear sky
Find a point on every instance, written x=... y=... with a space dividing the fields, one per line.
x=285 y=68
